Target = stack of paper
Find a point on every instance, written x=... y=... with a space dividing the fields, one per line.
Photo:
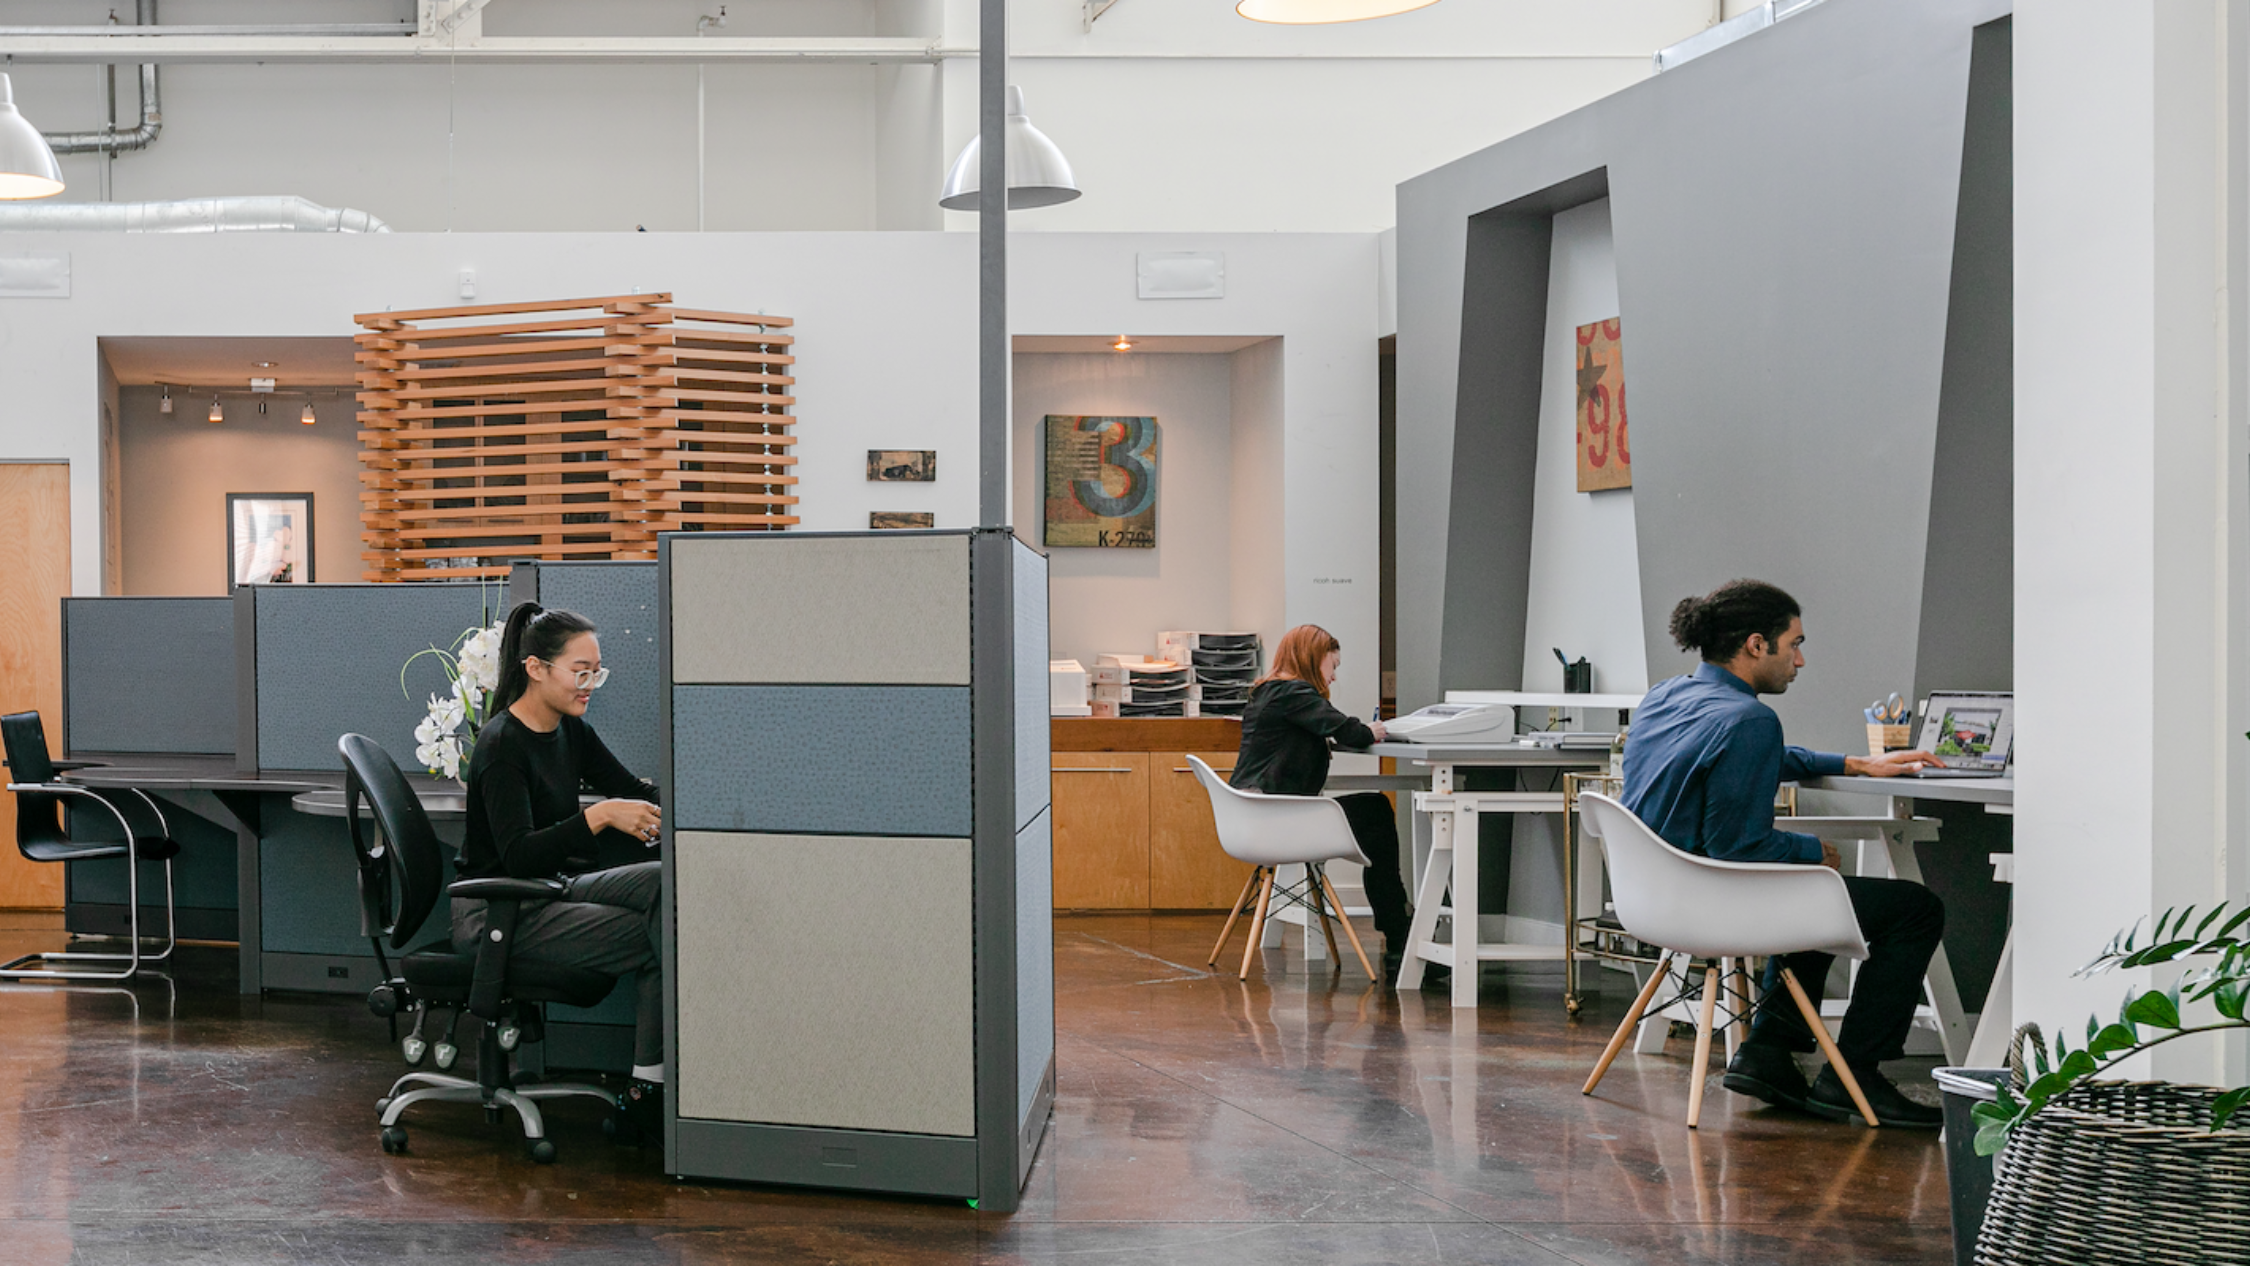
x=1224 y=665
x=1066 y=689
x=1136 y=686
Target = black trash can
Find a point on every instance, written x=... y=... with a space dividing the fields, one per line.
x=1967 y=1174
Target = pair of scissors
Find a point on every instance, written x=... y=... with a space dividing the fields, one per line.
x=1891 y=711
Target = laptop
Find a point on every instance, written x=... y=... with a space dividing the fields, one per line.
x=1972 y=731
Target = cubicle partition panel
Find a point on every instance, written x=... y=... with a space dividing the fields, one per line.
x=152 y=678
x=620 y=598
x=857 y=943
x=315 y=662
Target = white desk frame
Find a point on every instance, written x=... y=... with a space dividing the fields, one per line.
x=1445 y=837
x=1985 y=1044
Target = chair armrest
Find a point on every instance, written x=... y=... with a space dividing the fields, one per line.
x=508 y=889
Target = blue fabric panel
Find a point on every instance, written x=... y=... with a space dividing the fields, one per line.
x=858 y=760
x=1035 y=957
x=620 y=598
x=308 y=896
x=1033 y=781
x=149 y=675
x=203 y=873
x=328 y=664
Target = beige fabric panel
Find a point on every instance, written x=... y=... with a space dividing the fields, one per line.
x=821 y=610
x=826 y=980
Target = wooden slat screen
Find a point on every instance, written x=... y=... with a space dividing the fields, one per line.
x=568 y=429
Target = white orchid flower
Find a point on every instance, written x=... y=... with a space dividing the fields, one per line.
x=447 y=712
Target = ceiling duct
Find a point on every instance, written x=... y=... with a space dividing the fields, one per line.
x=282 y=214
x=110 y=140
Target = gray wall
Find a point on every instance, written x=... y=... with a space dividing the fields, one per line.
x=148 y=675
x=1784 y=216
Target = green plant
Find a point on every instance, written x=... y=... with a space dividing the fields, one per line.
x=2225 y=982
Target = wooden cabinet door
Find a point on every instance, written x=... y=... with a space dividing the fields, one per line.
x=1101 y=830
x=1187 y=868
x=35 y=559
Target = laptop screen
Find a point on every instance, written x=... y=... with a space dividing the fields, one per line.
x=1969 y=729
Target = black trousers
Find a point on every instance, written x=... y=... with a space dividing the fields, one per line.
x=1375 y=826
x=1903 y=923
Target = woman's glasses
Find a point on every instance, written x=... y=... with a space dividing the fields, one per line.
x=585 y=678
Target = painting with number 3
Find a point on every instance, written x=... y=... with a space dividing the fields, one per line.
x=1101 y=482
x=1605 y=452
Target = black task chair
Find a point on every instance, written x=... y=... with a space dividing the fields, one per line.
x=399 y=884
x=43 y=835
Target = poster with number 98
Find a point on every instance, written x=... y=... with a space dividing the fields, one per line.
x=1605 y=450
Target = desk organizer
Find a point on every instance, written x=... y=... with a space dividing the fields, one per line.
x=858 y=938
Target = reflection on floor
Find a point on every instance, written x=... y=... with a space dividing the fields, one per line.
x=1299 y=1118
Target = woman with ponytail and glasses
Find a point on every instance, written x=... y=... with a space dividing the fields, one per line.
x=524 y=822
x=1286 y=731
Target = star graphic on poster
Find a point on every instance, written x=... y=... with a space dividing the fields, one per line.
x=1589 y=376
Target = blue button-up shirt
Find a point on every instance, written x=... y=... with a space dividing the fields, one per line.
x=1702 y=766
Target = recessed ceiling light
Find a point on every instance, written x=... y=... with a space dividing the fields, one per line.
x=1123 y=344
x=263 y=364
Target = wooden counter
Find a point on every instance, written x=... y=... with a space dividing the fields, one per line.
x=1133 y=829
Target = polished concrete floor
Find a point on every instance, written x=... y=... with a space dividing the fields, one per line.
x=1299 y=1118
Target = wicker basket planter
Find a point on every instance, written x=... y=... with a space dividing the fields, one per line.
x=2123 y=1173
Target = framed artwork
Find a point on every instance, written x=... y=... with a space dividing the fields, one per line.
x=269 y=538
x=1101 y=482
x=901 y=465
x=892 y=520
x=1605 y=451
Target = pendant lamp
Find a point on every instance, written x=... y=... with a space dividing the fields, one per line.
x=1038 y=174
x=1315 y=12
x=27 y=163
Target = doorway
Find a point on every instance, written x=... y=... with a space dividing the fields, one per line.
x=35 y=557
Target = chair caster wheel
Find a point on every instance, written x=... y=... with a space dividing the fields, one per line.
x=394 y=1141
x=620 y=1130
x=382 y=1105
x=542 y=1152
x=491 y=1115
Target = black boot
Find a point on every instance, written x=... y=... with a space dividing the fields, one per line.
x=1769 y=1073
x=1831 y=1100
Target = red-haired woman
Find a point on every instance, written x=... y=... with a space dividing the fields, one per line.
x=1286 y=730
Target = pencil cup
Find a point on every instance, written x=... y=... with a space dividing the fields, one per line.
x=1886 y=738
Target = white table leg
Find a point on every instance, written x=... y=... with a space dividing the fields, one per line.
x=1465 y=960
x=1429 y=896
x=1945 y=995
x=1996 y=1026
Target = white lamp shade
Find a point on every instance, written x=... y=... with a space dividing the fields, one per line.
x=27 y=163
x=1038 y=174
x=1314 y=12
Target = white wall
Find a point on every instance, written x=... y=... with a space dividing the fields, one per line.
x=1585 y=593
x=2130 y=453
x=1117 y=600
x=1177 y=114
x=176 y=471
x=886 y=336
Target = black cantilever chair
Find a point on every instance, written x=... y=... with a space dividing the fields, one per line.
x=399 y=885
x=43 y=835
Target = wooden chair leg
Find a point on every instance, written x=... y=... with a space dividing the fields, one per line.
x=1241 y=901
x=1349 y=932
x=1258 y=918
x=1624 y=1032
x=1828 y=1046
x=1713 y=978
x=1313 y=882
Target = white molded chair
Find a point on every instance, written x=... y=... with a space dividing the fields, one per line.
x=1270 y=831
x=1721 y=911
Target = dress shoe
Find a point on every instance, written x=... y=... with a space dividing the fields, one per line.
x=1830 y=1099
x=1768 y=1073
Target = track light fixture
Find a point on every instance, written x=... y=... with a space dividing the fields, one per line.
x=164 y=406
x=217 y=414
x=307 y=416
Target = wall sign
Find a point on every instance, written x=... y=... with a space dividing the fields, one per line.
x=1101 y=482
x=1605 y=454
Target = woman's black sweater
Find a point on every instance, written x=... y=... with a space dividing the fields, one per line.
x=1285 y=732
x=524 y=819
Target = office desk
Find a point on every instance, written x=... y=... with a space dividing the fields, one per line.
x=245 y=797
x=1445 y=822
x=1986 y=1045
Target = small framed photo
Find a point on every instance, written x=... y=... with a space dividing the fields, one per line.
x=891 y=520
x=269 y=538
x=901 y=465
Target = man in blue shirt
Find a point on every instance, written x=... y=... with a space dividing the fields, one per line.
x=1702 y=769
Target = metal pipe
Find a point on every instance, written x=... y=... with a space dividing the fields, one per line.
x=261 y=214
x=109 y=140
